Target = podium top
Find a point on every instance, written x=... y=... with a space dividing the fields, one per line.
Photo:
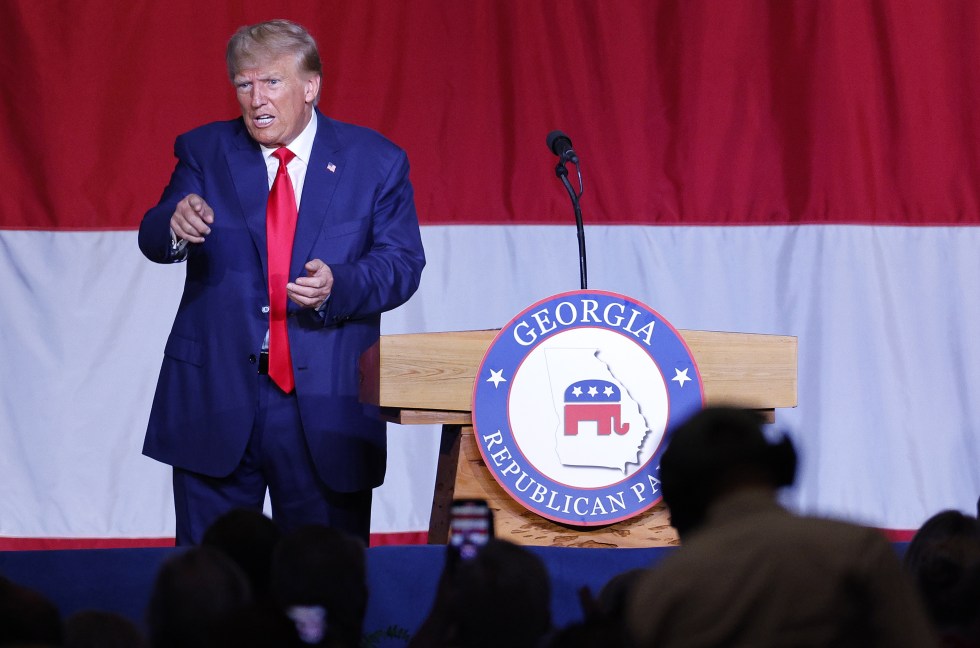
x=435 y=371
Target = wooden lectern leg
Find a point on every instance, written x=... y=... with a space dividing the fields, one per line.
x=445 y=488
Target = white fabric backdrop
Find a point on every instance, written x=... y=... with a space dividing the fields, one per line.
x=889 y=364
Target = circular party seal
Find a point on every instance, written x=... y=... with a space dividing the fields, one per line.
x=574 y=402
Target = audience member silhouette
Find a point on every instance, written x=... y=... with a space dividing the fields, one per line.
x=500 y=597
x=749 y=573
x=943 y=560
x=27 y=618
x=319 y=578
x=249 y=538
x=194 y=592
x=101 y=629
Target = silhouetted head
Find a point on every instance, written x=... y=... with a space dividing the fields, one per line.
x=943 y=560
x=717 y=451
x=248 y=537
x=26 y=617
x=192 y=595
x=319 y=577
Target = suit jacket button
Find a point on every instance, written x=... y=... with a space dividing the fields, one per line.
x=265 y=309
x=252 y=359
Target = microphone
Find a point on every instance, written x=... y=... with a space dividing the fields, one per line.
x=561 y=145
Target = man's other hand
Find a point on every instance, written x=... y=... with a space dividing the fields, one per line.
x=313 y=289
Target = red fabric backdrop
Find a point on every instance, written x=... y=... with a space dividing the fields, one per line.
x=683 y=111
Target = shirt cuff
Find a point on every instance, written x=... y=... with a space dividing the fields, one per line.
x=178 y=247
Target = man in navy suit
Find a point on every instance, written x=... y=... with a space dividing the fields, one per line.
x=228 y=428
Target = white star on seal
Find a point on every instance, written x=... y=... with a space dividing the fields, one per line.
x=576 y=391
x=607 y=391
x=496 y=378
x=681 y=377
x=593 y=391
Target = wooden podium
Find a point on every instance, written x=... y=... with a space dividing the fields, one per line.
x=427 y=378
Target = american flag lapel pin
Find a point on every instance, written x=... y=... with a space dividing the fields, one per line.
x=331 y=167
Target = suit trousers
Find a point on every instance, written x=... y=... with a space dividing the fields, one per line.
x=276 y=458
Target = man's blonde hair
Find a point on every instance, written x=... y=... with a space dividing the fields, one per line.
x=269 y=40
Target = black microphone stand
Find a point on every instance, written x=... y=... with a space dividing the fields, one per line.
x=562 y=174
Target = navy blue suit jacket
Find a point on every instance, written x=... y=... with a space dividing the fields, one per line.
x=357 y=214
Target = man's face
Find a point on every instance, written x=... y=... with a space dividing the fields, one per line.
x=276 y=98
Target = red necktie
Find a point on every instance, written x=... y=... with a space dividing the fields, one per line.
x=280 y=226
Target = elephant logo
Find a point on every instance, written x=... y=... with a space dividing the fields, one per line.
x=594 y=403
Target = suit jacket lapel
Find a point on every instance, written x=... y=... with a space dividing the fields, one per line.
x=323 y=173
x=251 y=180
